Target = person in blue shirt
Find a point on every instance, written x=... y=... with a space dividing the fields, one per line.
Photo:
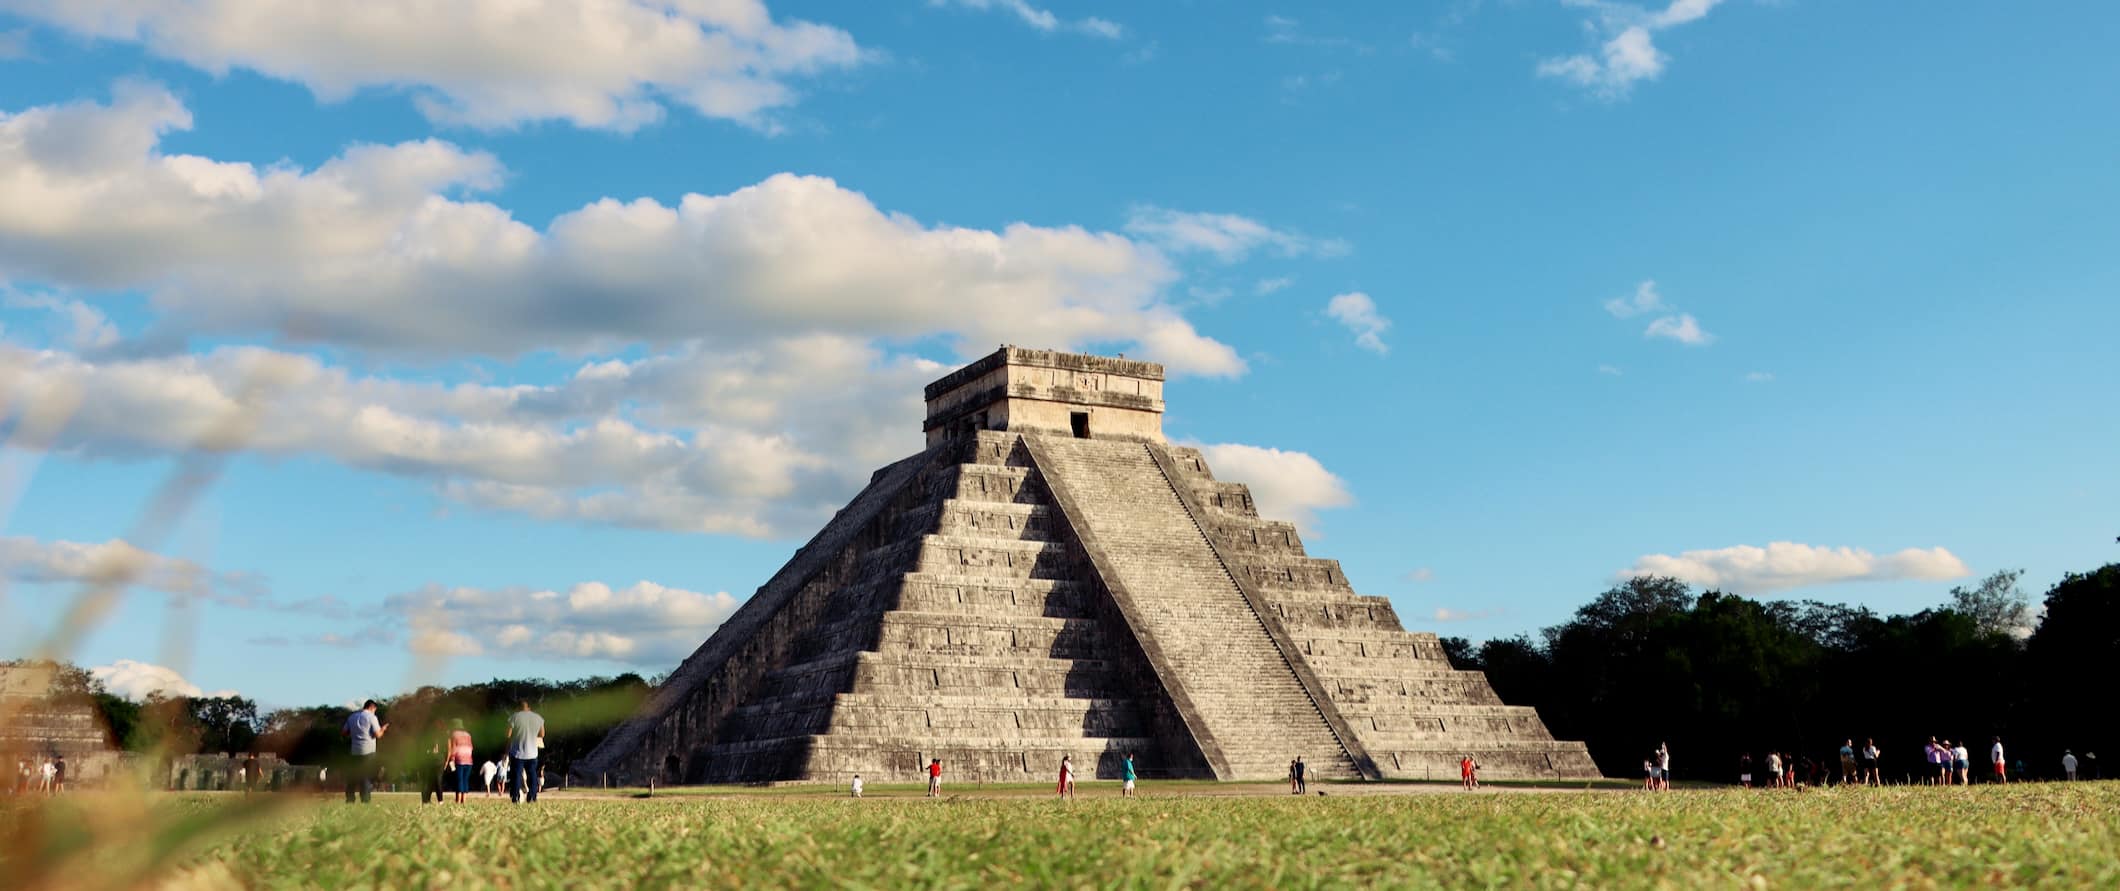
x=362 y=730
x=1126 y=772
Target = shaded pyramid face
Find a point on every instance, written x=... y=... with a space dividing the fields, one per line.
x=1012 y=596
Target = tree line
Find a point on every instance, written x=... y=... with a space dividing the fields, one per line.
x=1717 y=675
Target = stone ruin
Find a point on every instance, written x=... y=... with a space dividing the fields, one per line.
x=37 y=726
x=1049 y=577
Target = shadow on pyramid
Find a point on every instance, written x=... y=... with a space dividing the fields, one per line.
x=1049 y=578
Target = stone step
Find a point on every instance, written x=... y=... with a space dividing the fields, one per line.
x=978 y=519
x=991 y=595
x=988 y=483
x=966 y=759
x=1218 y=652
x=968 y=634
x=985 y=557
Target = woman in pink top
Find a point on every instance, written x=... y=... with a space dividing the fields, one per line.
x=460 y=757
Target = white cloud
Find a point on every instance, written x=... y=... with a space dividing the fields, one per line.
x=1041 y=18
x=1446 y=614
x=116 y=562
x=135 y=680
x=1229 y=237
x=612 y=64
x=1644 y=299
x=1285 y=485
x=1358 y=314
x=757 y=442
x=1760 y=377
x=1267 y=286
x=1628 y=53
x=643 y=624
x=370 y=250
x=1610 y=370
x=1682 y=328
x=1419 y=575
x=1748 y=569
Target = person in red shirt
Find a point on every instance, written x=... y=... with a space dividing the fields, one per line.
x=934 y=777
x=1469 y=772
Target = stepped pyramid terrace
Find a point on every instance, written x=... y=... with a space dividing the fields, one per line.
x=1049 y=577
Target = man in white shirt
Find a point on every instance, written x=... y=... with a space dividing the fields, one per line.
x=857 y=785
x=526 y=735
x=2068 y=763
x=1995 y=756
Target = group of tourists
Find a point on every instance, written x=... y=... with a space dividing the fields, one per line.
x=1656 y=769
x=1944 y=762
x=448 y=756
x=43 y=775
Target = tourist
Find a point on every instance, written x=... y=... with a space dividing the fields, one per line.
x=1847 y=762
x=1302 y=776
x=1663 y=766
x=2090 y=765
x=250 y=772
x=857 y=785
x=526 y=734
x=22 y=776
x=361 y=731
x=58 y=774
x=1995 y=758
x=1126 y=773
x=934 y=777
x=431 y=758
x=1744 y=770
x=1934 y=753
x=1067 y=776
x=1962 y=762
x=1294 y=785
x=501 y=783
x=2068 y=764
x=1469 y=773
x=1869 y=763
x=1774 y=769
x=485 y=776
x=1648 y=772
x=44 y=783
x=460 y=758
x=1788 y=767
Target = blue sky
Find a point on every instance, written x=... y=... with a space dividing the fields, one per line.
x=529 y=345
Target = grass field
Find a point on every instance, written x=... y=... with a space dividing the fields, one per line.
x=2048 y=835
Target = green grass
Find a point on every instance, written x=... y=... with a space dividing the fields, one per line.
x=2047 y=835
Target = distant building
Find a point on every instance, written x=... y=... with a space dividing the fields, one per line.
x=38 y=726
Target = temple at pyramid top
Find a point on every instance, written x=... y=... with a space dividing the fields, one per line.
x=1048 y=579
x=1051 y=392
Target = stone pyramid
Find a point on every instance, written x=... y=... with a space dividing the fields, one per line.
x=1048 y=578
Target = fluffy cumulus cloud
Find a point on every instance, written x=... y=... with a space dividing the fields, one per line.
x=1285 y=485
x=614 y=64
x=40 y=562
x=756 y=442
x=644 y=624
x=1681 y=327
x=1746 y=569
x=1226 y=236
x=376 y=249
x=1669 y=324
x=137 y=680
x=1041 y=18
x=1358 y=314
x=1626 y=53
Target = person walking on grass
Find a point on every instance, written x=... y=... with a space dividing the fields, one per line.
x=1869 y=763
x=1302 y=776
x=1744 y=769
x=1962 y=761
x=1773 y=769
x=486 y=772
x=934 y=777
x=1469 y=773
x=1663 y=766
x=1067 y=777
x=526 y=735
x=461 y=755
x=1126 y=773
x=58 y=774
x=1648 y=772
x=361 y=731
x=857 y=785
x=1995 y=761
x=1294 y=785
x=433 y=754
x=1847 y=762
x=1934 y=753
x=2068 y=763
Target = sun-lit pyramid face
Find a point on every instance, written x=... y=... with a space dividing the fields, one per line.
x=1051 y=392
